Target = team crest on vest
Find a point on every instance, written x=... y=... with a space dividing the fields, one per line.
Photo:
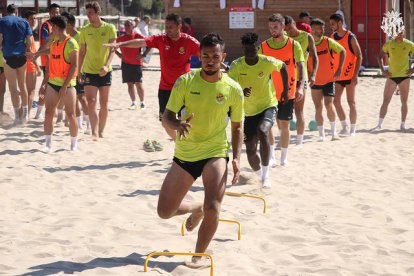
x=261 y=75
x=220 y=98
x=181 y=51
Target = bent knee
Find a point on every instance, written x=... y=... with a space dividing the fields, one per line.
x=163 y=212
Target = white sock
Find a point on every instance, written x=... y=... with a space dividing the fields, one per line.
x=134 y=102
x=344 y=124
x=258 y=172
x=380 y=121
x=25 y=111
x=39 y=110
x=17 y=113
x=79 y=120
x=73 y=143
x=265 y=172
x=48 y=141
x=402 y=126
x=60 y=111
x=353 y=128
x=272 y=151
x=321 y=131
x=283 y=157
x=333 y=128
x=299 y=139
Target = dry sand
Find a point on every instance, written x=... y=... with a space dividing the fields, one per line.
x=339 y=208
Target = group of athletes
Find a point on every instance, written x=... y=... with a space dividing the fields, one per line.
x=268 y=82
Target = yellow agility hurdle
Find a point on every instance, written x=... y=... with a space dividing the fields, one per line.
x=250 y=196
x=220 y=220
x=180 y=254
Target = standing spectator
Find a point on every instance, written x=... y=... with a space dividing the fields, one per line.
x=304 y=22
x=15 y=40
x=187 y=27
x=132 y=66
x=136 y=23
x=143 y=26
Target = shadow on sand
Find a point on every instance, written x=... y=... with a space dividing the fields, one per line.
x=157 y=192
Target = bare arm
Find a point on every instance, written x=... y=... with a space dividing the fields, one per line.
x=341 y=64
x=169 y=119
x=380 y=59
x=28 y=43
x=358 y=54
x=1 y=41
x=133 y=43
x=285 y=80
x=299 y=89
x=315 y=60
x=105 y=67
x=236 y=143
x=82 y=53
x=73 y=67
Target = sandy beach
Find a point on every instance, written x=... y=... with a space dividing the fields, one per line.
x=339 y=208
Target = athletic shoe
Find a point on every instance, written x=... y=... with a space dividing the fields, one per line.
x=148 y=146
x=266 y=184
x=142 y=106
x=157 y=145
x=133 y=107
x=344 y=131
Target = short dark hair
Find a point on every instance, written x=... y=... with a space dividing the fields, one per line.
x=318 y=22
x=187 y=20
x=175 y=18
x=277 y=17
x=28 y=13
x=304 y=14
x=249 y=39
x=70 y=18
x=337 y=17
x=59 y=21
x=289 y=19
x=212 y=39
x=53 y=6
x=93 y=5
x=11 y=9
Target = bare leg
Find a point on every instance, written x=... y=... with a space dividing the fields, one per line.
x=91 y=93
x=388 y=92
x=350 y=96
x=70 y=107
x=317 y=96
x=404 y=91
x=339 y=89
x=103 y=111
x=131 y=91
x=51 y=102
x=11 y=76
x=2 y=91
x=300 y=119
x=140 y=89
x=31 y=86
x=252 y=156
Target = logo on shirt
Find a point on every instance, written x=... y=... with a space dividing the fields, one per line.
x=261 y=75
x=220 y=98
x=195 y=93
x=167 y=47
x=181 y=51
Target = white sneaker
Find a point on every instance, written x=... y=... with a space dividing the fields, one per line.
x=39 y=116
x=335 y=137
x=377 y=128
x=283 y=163
x=45 y=149
x=321 y=139
x=272 y=163
x=344 y=131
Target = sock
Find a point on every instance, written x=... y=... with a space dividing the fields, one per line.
x=353 y=128
x=272 y=152
x=60 y=111
x=265 y=171
x=79 y=120
x=284 y=155
x=17 y=113
x=39 y=110
x=402 y=126
x=258 y=172
x=333 y=128
x=48 y=140
x=321 y=131
x=299 y=139
x=344 y=124
x=74 y=143
x=380 y=121
x=134 y=102
x=25 y=111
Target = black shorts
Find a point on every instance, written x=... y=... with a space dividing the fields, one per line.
x=285 y=110
x=98 y=81
x=195 y=169
x=131 y=73
x=398 y=80
x=43 y=69
x=79 y=88
x=328 y=89
x=252 y=123
x=1 y=70
x=55 y=87
x=163 y=97
x=344 y=83
x=16 y=61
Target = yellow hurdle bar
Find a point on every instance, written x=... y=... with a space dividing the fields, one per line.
x=180 y=254
x=220 y=220
x=250 y=196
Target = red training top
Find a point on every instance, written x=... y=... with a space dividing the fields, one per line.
x=129 y=55
x=188 y=30
x=304 y=27
x=174 y=56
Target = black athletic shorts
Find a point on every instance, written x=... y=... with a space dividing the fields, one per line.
x=344 y=83
x=398 y=80
x=163 y=97
x=16 y=61
x=43 y=69
x=131 y=73
x=79 y=88
x=252 y=123
x=98 y=81
x=328 y=89
x=195 y=169
x=285 y=110
x=55 y=87
x=1 y=70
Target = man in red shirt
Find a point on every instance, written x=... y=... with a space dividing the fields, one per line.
x=175 y=48
x=304 y=22
x=132 y=66
x=187 y=27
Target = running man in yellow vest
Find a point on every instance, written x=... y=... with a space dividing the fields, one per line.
x=308 y=48
x=349 y=75
x=324 y=85
x=63 y=62
x=398 y=74
x=289 y=51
